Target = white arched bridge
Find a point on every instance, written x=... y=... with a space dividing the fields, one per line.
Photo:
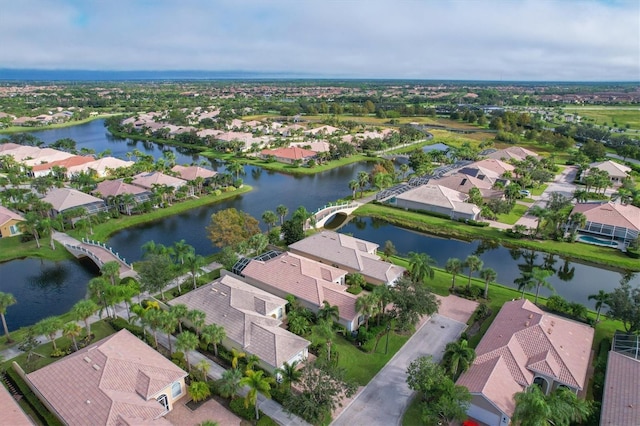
x=98 y=252
x=328 y=212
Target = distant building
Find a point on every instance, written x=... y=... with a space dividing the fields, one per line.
x=288 y=155
x=437 y=199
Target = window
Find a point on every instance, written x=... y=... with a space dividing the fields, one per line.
x=176 y=389
x=162 y=399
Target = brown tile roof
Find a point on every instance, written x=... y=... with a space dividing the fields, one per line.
x=67 y=198
x=621 y=398
x=12 y=414
x=192 y=172
x=306 y=279
x=6 y=215
x=609 y=213
x=115 y=379
x=348 y=252
x=290 y=153
x=111 y=188
x=147 y=180
x=241 y=309
x=521 y=341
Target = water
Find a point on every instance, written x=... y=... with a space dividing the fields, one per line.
x=68 y=279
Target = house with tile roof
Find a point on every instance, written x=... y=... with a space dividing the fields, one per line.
x=190 y=173
x=309 y=281
x=525 y=346
x=614 y=221
x=62 y=199
x=348 y=253
x=45 y=169
x=9 y=223
x=617 y=172
x=251 y=318
x=109 y=189
x=288 y=155
x=621 y=395
x=119 y=380
x=437 y=199
x=512 y=153
x=45 y=155
x=102 y=166
x=463 y=183
x=12 y=414
x=148 y=180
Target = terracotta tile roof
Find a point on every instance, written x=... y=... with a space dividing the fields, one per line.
x=67 y=198
x=350 y=253
x=6 y=215
x=115 y=379
x=291 y=153
x=147 y=180
x=12 y=414
x=528 y=340
x=75 y=160
x=192 y=172
x=609 y=213
x=115 y=187
x=621 y=399
x=306 y=279
x=242 y=310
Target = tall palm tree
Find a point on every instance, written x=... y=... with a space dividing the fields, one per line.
x=236 y=355
x=256 y=382
x=179 y=311
x=168 y=324
x=539 y=213
x=473 y=263
x=213 y=334
x=194 y=263
x=230 y=383
x=82 y=310
x=72 y=330
x=420 y=267
x=6 y=300
x=154 y=318
x=197 y=318
x=458 y=357
x=539 y=277
x=181 y=250
x=602 y=298
x=203 y=367
x=289 y=373
x=187 y=342
x=488 y=275
x=282 y=211
x=328 y=312
x=49 y=327
x=111 y=270
x=353 y=186
x=453 y=266
x=368 y=306
x=385 y=296
x=363 y=181
x=269 y=218
x=325 y=330
x=31 y=225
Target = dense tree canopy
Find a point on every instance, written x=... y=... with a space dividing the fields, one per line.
x=230 y=227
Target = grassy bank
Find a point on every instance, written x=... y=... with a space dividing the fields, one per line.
x=12 y=248
x=22 y=129
x=451 y=229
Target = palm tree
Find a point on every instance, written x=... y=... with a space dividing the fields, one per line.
x=181 y=250
x=325 y=330
x=420 y=267
x=363 y=180
x=328 y=312
x=199 y=391
x=49 y=327
x=289 y=373
x=194 y=263
x=458 y=357
x=540 y=213
x=235 y=357
x=256 y=383
x=269 y=218
x=252 y=361
x=353 y=186
x=235 y=167
x=602 y=298
x=560 y=407
x=488 y=275
x=230 y=383
x=168 y=324
x=82 y=310
x=539 y=277
x=384 y=295
x=179 y=311
x=111 y=270
x=30 y=225
x=203 y=367
x=197 y=318
x=282 y=211
x=453 y=266
x=187 y=342
x=214 y=334
x=473 y=263
x=368 y=306
x=6 y=300
x=72 y=330
x=154 y=317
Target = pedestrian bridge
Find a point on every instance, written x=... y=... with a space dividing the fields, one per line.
x=98 y=252
x=327 y=213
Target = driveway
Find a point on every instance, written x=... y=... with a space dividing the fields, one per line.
x=384 y=400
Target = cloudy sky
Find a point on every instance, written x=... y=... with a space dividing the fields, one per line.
x=571 y=40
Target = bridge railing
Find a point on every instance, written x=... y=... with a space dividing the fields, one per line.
x=106 y=247
x=95 y=258
x=327 y=209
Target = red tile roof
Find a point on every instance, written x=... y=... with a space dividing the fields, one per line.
x=76 y=160
x=291 y=153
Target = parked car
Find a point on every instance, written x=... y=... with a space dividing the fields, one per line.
x=525 y=192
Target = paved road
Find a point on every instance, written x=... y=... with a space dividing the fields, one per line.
x=385 y=398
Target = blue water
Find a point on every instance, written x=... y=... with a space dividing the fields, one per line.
x=598 y=241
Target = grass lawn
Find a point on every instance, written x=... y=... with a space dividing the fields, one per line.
x=12 y=248
x=512 y=217
x=609 y=115
x=539 y=190
x=451 y=229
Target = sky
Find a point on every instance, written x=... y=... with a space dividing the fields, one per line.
x=533 y=40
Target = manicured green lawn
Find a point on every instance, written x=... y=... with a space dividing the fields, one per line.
x=539 y=190
x=512 y=217
x=13 y=248
x=413 y=414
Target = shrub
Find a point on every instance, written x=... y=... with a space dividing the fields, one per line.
x=178 y=359
x=634 y=254
x=557 y=303
x=238 y=408
x=354 y=289
x=120 y=323
x=482 y=312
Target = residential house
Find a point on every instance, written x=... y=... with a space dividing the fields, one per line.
x=488 y=170
x=251 y=318
x=615 y=221
x=109 y=189
x=437 y=199
x=149 y=180
x=512 y=153
x=617 y=172
x=190 y=173
x=9 y=223
x=525 y=346
x=621 y=394
x=45 y=155
x=315 y=146
x=62 y=199
x=463 y=183
x=351 y=254
x=118 y=380
x=21 y=152
x=102 y=166
x=288 y=155
x=45 y=169
x=12 y=414
x=311 y=282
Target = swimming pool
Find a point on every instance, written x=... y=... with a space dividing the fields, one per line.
x=593 y=240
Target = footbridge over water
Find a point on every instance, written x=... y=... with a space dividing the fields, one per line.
x=327 y=213
x=98 y=252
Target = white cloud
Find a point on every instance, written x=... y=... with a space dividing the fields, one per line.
x=523 y=39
